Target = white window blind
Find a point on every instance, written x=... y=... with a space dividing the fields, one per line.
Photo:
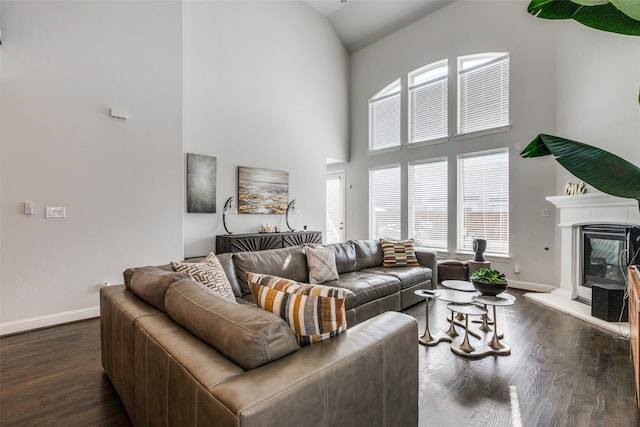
x=484 y=200
x=385 y=202
x=384 y=118
x=483 y=92
x=428 y=100
x=428 y=199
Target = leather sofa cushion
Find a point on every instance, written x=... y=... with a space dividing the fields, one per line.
x=246 y=334
x=409 y=276
x=226 y=260
x=365 y=287
x=368 y=253
x=151 y=283
x=345 y=256
x=289 y=263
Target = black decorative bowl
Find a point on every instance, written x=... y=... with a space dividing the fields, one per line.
x=489 y=289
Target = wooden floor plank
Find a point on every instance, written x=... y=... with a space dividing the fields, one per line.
x=566 y=373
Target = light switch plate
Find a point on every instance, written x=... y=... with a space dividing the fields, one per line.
x=28 y=208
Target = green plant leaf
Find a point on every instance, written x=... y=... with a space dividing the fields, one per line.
x=489 y=275
x=630 y=8
x=599 y=168
x=605 y=17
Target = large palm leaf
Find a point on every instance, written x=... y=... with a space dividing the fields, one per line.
x=599 y=168
x=606 y=17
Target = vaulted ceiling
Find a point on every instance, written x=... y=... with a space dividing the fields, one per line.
x=361 y=22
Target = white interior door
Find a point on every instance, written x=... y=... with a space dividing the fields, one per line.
x=335 y=207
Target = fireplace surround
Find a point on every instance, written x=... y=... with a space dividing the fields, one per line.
x=574 y=212
x=577 y=211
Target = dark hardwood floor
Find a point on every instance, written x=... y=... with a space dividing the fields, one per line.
x=54 y=377
x=561 y=372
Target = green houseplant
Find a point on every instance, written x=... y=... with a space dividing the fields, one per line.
x=599 y=168
x=489 y=282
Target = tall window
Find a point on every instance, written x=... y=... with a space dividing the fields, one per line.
x=428 y=203
x=483 y=200
x=384 y=202
x=428 y=114
x=335 y=207
x=384 y=118
x=483 y=92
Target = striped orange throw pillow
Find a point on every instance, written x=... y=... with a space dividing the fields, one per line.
x=314 y=312
x=399 y=254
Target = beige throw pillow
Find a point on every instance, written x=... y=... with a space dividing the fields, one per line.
x=208 y=273
x=322 y=264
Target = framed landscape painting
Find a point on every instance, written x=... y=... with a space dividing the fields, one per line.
x=262 y=191
x=201 y=183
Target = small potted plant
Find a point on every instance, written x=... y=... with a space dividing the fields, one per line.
x=489 y=282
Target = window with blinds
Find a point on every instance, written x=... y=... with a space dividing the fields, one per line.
x=428 y=203
x=384 y=118
x=428 y=100
x=483 y=200
x=384 y=194
x=483 y=92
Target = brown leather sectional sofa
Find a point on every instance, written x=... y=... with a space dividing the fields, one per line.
x=178 y=355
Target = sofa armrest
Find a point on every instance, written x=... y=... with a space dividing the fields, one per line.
x=368 y=375
x=429 y=259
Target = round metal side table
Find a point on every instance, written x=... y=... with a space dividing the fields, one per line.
x=427 y=338
x=503 y=299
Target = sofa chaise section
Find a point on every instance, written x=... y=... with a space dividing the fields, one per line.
x=167 y=375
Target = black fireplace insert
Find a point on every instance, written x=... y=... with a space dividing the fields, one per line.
x=608 y=249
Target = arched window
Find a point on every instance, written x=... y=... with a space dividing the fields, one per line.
x=483 y=92
x=384 y=118
x=428 y=100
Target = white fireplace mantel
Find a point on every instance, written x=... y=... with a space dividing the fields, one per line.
x=594 y=209
x=575 y=211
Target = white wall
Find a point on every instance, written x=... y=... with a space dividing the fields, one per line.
x=265 y=85
x=597 y=99
x=64 y=64
x=261 y=84
x=464 y=28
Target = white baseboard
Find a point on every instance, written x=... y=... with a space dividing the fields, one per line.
x=529 y=286
x=48 y=320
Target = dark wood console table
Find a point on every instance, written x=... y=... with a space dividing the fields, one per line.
x=262 y=241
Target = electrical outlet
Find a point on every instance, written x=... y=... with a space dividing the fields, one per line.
x=55 y=212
